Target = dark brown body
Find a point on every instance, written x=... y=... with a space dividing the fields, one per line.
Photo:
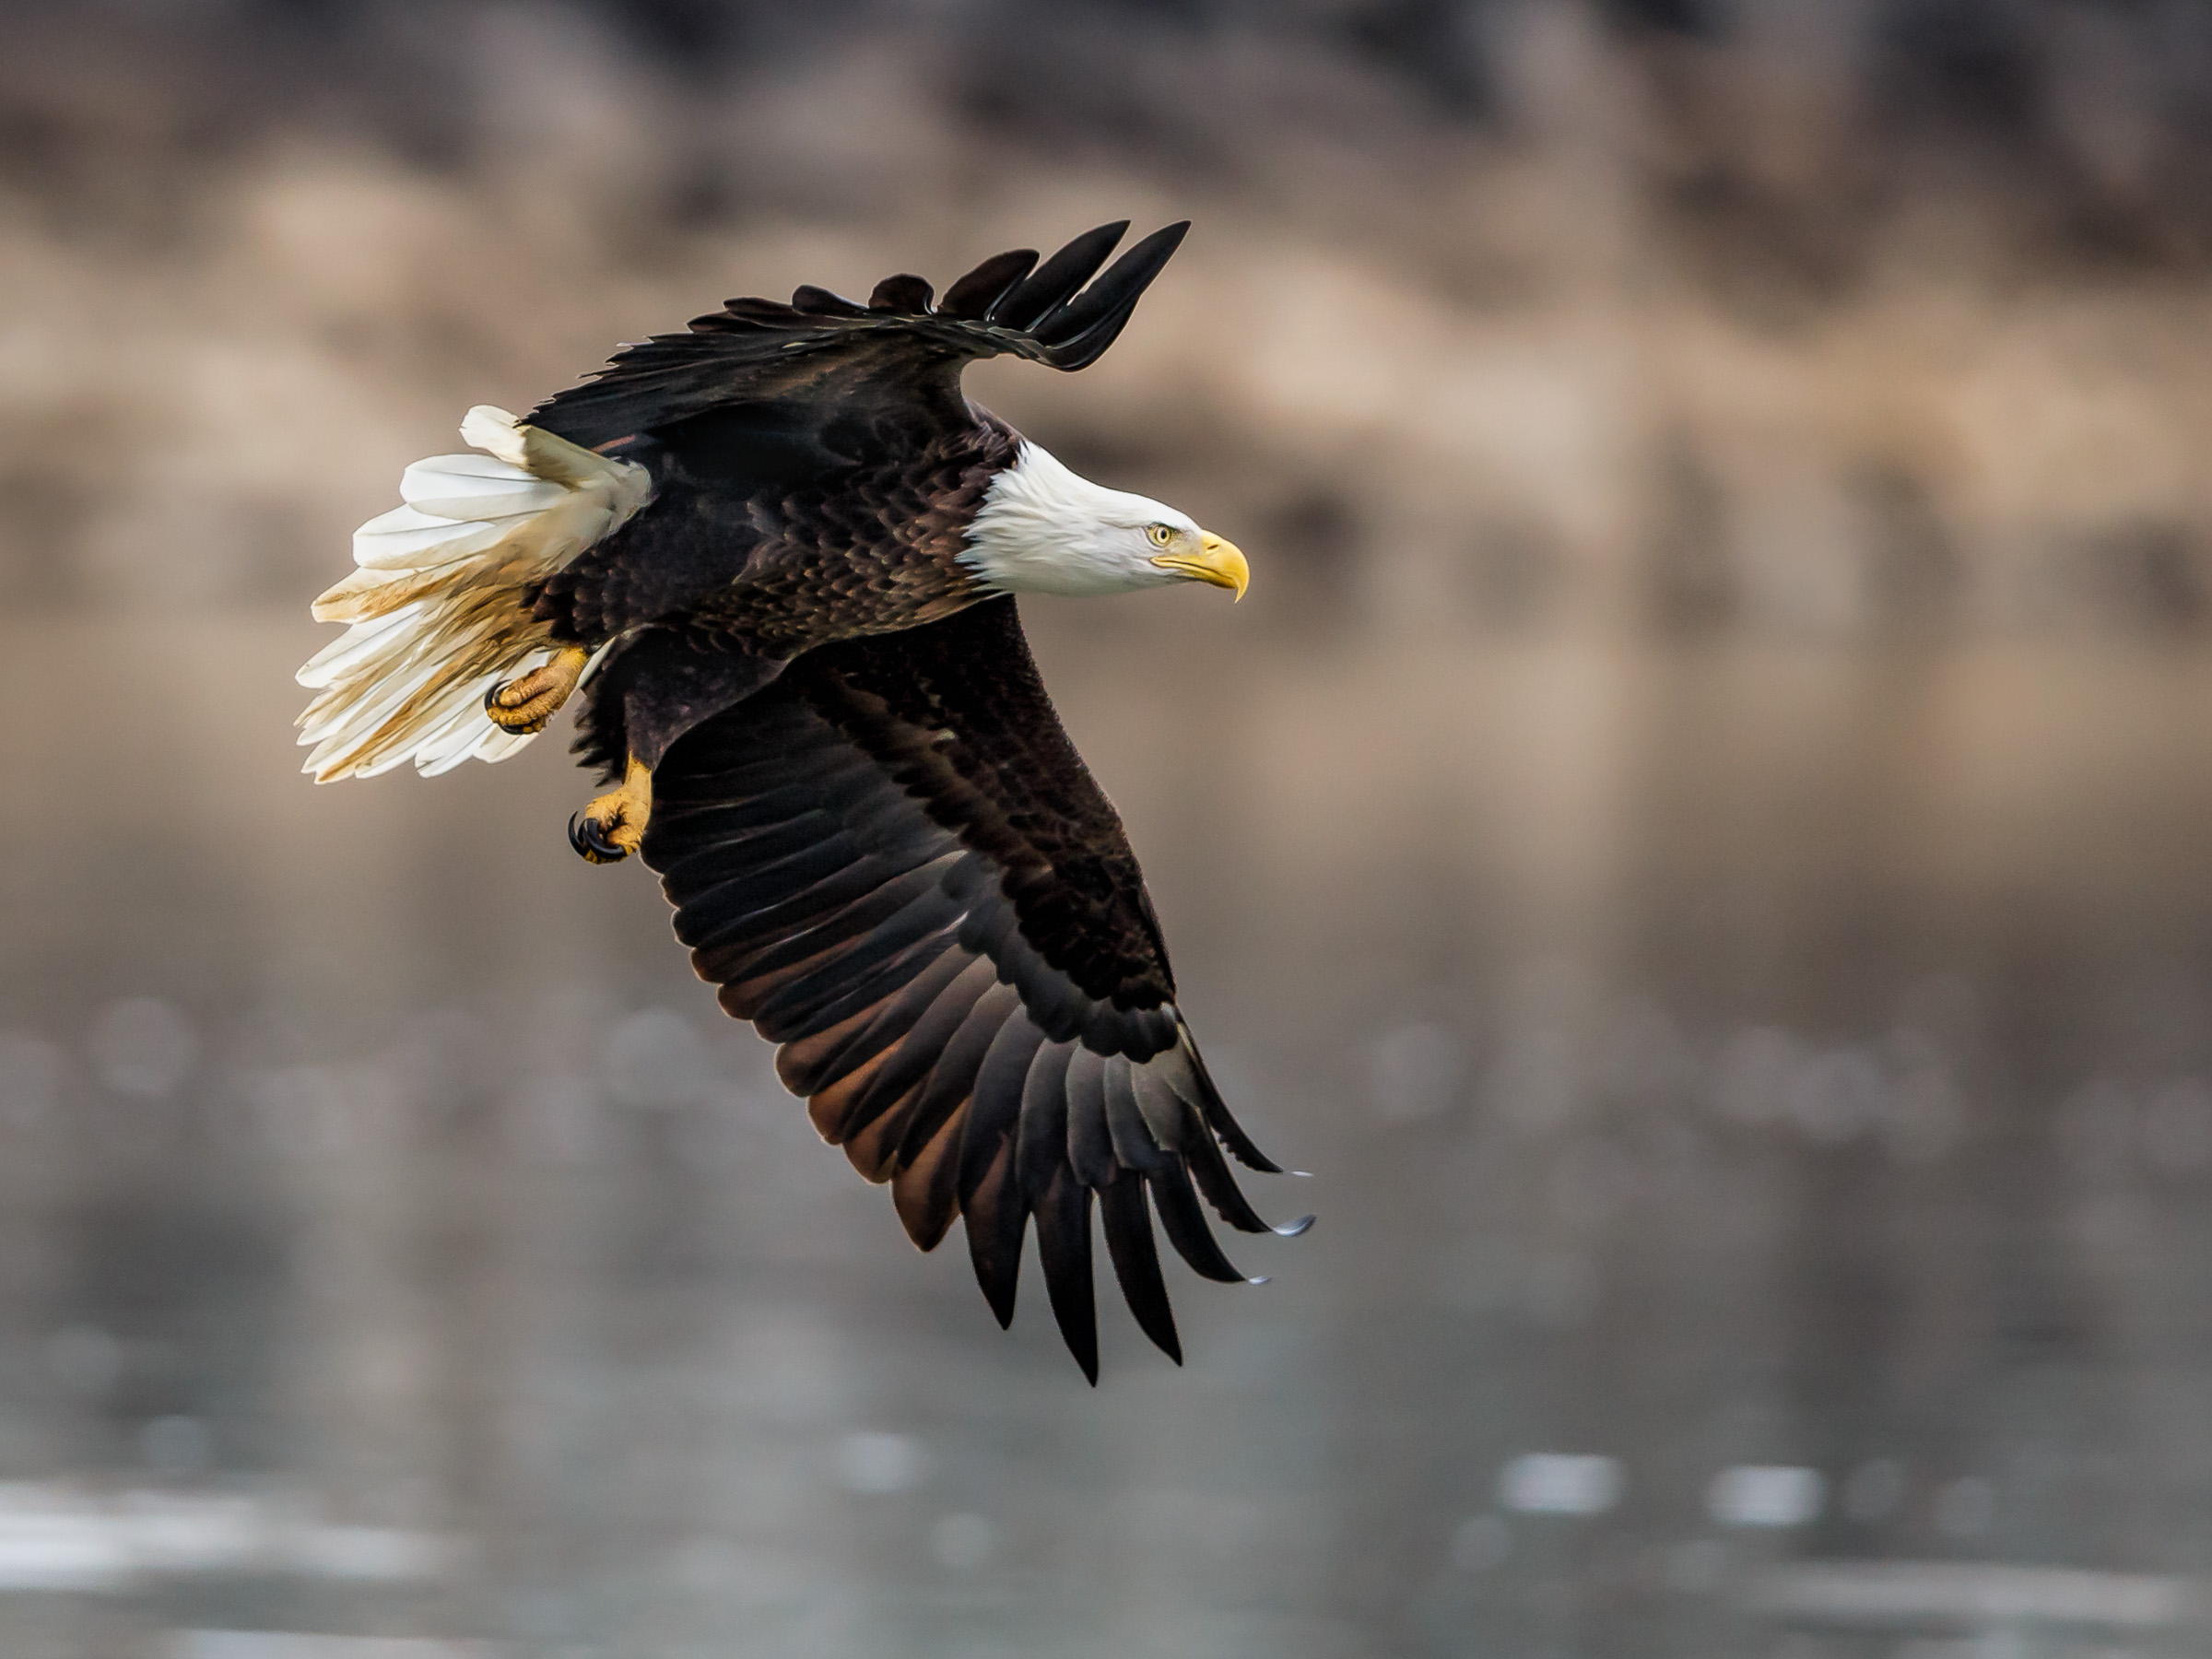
x=879 y=840
x=723 y=576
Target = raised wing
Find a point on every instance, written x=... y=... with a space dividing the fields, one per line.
x=822 y=361
x=895 y=866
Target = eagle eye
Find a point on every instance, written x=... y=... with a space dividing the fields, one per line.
x=1159 y=536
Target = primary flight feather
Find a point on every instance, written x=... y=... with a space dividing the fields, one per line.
x=778 y=554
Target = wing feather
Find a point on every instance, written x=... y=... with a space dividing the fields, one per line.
x=823 y=357
x=904 y=909
x=952 y=1077
x=891 y=1014
x=1056 y=281
x=1082 y=330
x=1089 y=1140
x=972 y=297
x=995 y=1221
x=1062 y=1215
x=989 y=1190
x=1127 y=1133
x=1184 y=1223
x=892 y=860
x=909 y=1062
x=925 y=1192
x=1136 y=1261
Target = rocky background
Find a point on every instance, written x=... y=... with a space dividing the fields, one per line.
x=1837 y=316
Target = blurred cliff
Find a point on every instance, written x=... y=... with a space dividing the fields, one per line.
x=1838 y=316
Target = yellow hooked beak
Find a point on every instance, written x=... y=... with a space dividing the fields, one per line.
x=1217 y=562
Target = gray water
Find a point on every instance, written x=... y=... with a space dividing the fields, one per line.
x=1756 y=1096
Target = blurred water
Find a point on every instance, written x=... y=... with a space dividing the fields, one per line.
x=1756 y=1094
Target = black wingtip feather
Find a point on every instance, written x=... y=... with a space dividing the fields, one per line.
x=990 y=1178
x=970 y=298
x=1185 y=1225
x=1203 y=1153
x=1055 y=281
x=1136 y=1261
x=905 y=295
x=1217 y=1116
x=1087 y=324
x=997 y=1222
x=1063 y=1251
x=820 y=302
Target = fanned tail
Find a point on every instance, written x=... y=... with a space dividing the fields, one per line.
x=437 y=611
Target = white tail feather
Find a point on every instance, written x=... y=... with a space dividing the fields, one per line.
x=404 y=539
x=474 y=487
x=436 y=611
x=335 y=660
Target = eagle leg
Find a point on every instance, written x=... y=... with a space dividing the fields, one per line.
x=611 y=826
x=526 y=704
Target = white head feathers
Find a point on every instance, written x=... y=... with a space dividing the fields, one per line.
x=1042 y=529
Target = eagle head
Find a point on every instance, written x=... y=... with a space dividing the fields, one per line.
x=1044 y=529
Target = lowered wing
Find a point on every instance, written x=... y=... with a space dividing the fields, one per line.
x=895 y=866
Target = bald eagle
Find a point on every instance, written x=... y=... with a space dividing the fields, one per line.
x=780 y=554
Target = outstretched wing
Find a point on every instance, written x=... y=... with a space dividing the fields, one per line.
x=806 y=369
x=895 y=866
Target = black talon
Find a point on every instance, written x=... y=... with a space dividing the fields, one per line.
x=495 y=709
x=590 y=840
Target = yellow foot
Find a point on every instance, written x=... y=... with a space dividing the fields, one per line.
x=610 y=828
x=525 y=704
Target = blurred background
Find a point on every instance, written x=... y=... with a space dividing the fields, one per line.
x=1697 y=839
